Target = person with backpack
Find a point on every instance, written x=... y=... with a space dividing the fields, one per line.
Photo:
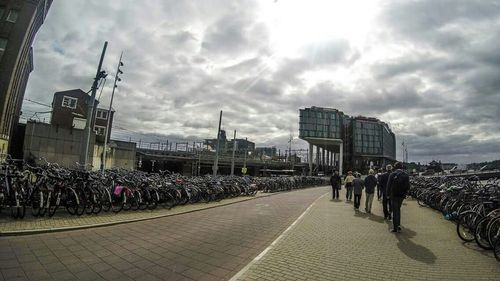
x=358 y=185
x=348 y=186
x=335 y=181
x=386 y=202
x=370 y=183
x=397 y=188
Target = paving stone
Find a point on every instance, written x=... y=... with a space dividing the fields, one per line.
x=207 y=245
x=333 y=242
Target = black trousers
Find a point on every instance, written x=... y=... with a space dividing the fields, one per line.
x=396 y=211
x=357 y=200
x=335 y=192
x=386 y=205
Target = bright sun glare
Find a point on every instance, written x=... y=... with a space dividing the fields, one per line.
x=298 y=23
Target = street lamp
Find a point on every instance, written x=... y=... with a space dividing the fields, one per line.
x=117 y=79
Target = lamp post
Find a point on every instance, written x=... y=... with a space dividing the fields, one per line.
x=117 y=79
x=90 y=110
x=216 y=162
x=234 y=150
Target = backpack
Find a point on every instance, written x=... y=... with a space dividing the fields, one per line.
x=399 y=184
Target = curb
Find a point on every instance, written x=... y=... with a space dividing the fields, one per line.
x=80 y=227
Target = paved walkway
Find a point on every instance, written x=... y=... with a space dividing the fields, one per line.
x=63 y=221
x=212 y=244
x=333 y=242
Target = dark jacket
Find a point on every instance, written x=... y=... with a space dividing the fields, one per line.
x=358 y=186
x=382 y=181
x=370 y=183
x=398 y=188
x=335 y=181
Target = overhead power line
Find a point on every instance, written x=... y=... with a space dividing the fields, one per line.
x=39 y=103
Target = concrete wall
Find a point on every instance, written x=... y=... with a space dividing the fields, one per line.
x=119 y=155
x=63 y=146
x=60 y=145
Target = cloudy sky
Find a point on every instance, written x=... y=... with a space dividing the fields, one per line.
x=431 y=69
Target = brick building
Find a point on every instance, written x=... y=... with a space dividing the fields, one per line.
x=19 y=22
x=69 y=110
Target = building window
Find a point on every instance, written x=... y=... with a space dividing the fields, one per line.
x=2 y=10
x=102 y=114
x=13 y=14
x=100 y=130
x=69 y=102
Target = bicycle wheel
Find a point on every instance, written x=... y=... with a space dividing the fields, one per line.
x=494 y=230
x=141 y=200
x=481 y=234
x=71 y=201
x=46 y=202
x=21 y=210
x=154 y=198
x=17 y=206
x=465 y=226
x=105 y=198
x=496 y=250
x=53 y=203
x=118 y=202
x=36 y=202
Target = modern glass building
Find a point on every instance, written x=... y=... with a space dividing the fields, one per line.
x=356 y=143
x=373 y=143
x=320 y=122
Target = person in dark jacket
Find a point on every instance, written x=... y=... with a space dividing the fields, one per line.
x=386 y=203
x=370 y=183
x=397 y=188
x=357 y=185
x=335 y=181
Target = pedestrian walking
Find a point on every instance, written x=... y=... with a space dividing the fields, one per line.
x=358 y=186
x=335 y=181
x=386 y=202
x=348 y=186
x=397 y=188
x=370 y=184
x=379 y=190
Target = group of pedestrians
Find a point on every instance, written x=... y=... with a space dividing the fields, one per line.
x=391 y=187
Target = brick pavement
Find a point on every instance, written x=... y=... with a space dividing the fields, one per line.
x=333 y=242
x=63 y=221
x=213 y=244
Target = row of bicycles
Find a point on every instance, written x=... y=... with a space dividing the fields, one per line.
x=277 y=184
x=472 y=204
x=47 y=189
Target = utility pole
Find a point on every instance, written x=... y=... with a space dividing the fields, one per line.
x=216 y=162
x=118 y=71
x=234 y=150
x=403 y=150
x=90 y=110
x=246 y=152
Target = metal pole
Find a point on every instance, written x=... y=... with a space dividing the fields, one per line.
x=246 y=152
x=216 y=162
x=90 y=112
x=234 y=150
x=199 y=161
x=109 y=115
